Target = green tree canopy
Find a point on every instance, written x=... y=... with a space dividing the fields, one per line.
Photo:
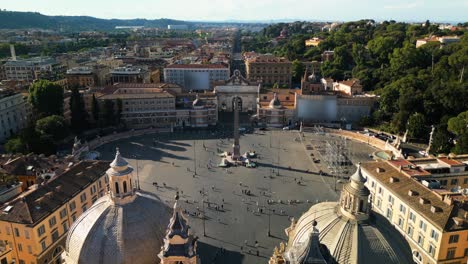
x=46 y=98
x=459 y=124
x=417 y=126
x=79 y=120
x=53 y=126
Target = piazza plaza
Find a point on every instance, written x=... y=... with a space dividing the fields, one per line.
x=246 y=209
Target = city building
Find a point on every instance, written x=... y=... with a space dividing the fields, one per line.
x=328 y=55
x=237 y=86
x=277 y=108
x=347 y=229
x=80 y=77
x=130 y=74
x=24 y=70
x=165 y=107
x=269 y=70
x=433 y=219
x=35 y=224
x=444 y=40
x=311 y=83
x=196 y=76
x=14 y=113
x=126 y=225
x=32 y=169
x=313 y=42
x=349 y=87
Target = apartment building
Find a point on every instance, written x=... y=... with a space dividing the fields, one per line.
x=434 y=221
x=269 y=70
x=130 y=74
x=35 y=225
x=24 y=70
x=146 y=106
x=14 y=113
x=196 y=76
x=80 y=77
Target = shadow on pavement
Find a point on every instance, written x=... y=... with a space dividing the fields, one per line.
x=210 y=254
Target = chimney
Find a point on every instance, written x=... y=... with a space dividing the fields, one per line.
x=13 y=53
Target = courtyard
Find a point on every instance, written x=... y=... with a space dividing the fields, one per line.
x=241 y=205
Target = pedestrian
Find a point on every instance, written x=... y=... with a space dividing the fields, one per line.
x=222 y=206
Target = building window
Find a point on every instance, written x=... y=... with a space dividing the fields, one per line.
x=454 y=181
x=391 y=199
x=43 y=245
x=380 y=190
x=29 y=249
x=84 y=208
x=422 y=225
x=402 y=209
x=20 y=247
x=466 y=252
x=400 y=222
x=72 y=206
x=410 y=231
x=26 y=234
x=451 y=253
x=389 y=213
x=63 y=213
x=17 y=232
x=431 y=250
x=73 y=217
x=420 y=240
x=55 y=235
x=83 y=197
x=41 y=230
x=65 y=226
x=412 y=217
x=434 y=235
x=52 y=221
x=453 y=239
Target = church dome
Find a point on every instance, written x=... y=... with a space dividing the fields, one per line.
x=119 y=233
x=123 y=226
x=275 y=102
x=338 y=234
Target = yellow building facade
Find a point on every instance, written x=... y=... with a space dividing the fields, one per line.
x=434 y=224
x=35 y=225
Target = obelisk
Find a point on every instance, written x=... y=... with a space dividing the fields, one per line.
x=236 y=146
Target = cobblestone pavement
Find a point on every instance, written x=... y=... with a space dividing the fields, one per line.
x=234 y=221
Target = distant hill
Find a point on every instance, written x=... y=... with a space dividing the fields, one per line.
x=23 y=20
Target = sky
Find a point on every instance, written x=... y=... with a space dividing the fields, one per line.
x=222 y=10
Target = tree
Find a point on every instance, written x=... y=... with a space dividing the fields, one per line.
x=459 y=124
x=119 y=110
x=109 y=113
x=461 y=146
x=78 y=113
x=15 y=145
x=417 y=126
x=46 y=98
x=297 y=71
x=53 y=127
x=95 y=109
x=441 y=141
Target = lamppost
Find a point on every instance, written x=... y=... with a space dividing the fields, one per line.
x=203 y=217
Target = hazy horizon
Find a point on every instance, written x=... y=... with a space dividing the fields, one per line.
x=245 y=10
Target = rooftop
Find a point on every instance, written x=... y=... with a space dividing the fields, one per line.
x=31 y=61
x=197 y=66
x=40 y=203
x=160 y=94
x=412 y=193
x=80 y=70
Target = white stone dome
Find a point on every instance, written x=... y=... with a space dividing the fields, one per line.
x=114 y=233
x=340 y=235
